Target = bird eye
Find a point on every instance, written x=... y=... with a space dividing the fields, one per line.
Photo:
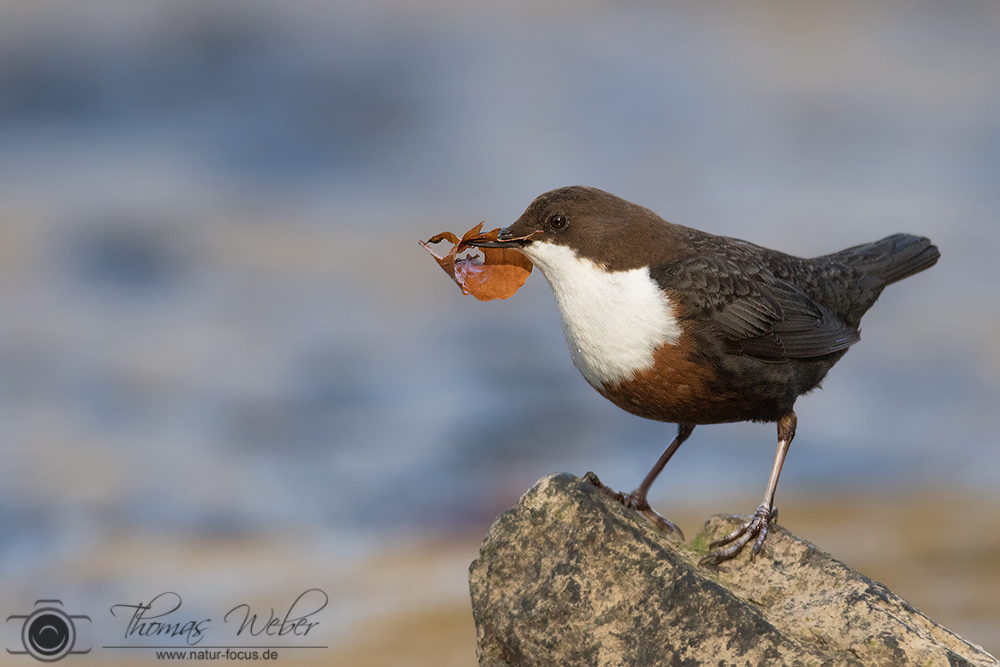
x=557 y=221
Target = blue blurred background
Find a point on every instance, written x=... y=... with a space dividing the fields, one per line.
x=227 y=367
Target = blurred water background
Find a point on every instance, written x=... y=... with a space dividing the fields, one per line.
x=228 y=369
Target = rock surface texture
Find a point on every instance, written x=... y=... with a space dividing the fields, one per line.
x=569 y=577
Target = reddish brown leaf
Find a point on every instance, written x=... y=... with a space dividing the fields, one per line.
x=492 y=273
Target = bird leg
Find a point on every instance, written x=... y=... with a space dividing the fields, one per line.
x=637 y=499
x=757 y=526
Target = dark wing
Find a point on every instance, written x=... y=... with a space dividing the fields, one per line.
x=758 y=314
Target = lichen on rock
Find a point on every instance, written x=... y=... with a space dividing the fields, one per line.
x=568 y=577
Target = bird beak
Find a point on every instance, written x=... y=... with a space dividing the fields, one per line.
x=505 y=239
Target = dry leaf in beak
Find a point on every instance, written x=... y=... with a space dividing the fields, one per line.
x=494 y=273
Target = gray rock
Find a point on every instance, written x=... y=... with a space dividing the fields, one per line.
x=569 y=577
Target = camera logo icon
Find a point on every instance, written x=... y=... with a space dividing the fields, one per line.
x=48 y=633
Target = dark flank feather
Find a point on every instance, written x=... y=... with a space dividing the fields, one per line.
x=774 y=307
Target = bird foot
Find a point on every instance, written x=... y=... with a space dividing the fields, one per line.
x=739 y=538
x=637 y=502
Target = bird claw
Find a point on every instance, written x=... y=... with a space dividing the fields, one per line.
x=739 y=538
x=637 y=502
x=641 y=505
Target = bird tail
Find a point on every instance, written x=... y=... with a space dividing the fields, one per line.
x=893 y=258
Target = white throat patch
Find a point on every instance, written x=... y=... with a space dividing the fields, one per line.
x=613 y=320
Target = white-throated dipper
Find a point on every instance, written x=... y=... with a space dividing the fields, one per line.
x=681 y=326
